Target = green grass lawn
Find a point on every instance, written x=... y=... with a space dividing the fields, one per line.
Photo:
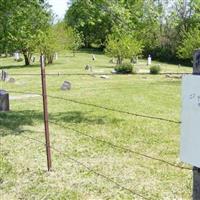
x=23 y=162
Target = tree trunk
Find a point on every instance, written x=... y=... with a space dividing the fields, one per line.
x=26 y=59
x=50 y=59
x=119 y=60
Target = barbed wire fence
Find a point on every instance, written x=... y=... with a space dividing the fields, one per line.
x=97 y=139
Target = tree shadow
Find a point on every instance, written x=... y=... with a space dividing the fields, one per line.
x=105 y=66
x=82 y=117
x=172 y=82
x=19 y=66
x=12 y=122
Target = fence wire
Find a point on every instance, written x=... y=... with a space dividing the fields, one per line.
x=102 y=107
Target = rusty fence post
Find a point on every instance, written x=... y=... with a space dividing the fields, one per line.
x=45 y=111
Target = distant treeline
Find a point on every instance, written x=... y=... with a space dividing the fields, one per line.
x=168 y=30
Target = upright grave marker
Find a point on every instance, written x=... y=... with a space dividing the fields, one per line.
x=190 y=133
x=149 y=60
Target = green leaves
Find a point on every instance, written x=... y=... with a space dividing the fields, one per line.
x=190 y=42
x=123 y=46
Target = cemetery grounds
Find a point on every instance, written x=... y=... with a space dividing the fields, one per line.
x=86 y=133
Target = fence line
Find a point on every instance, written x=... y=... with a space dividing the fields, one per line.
x=90 y=169
x=125 y=149
x=95 y=74
x=104 y=108
x=121 y=147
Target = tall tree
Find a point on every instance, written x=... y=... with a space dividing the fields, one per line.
x=21 y=22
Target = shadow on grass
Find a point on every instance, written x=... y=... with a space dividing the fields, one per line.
x=12 y=121
x=82 y=117
x=18 y=66
x=171 y=82
x=107 y=66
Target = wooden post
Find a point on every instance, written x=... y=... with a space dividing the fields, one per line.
x=196 y=171
x=45 y=110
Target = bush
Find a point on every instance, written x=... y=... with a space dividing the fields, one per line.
x=20 y=60
x=155 y=69
x=126 y=68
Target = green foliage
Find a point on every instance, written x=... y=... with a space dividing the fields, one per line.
x=20 y=23
x=190 y=42
x=158 y=24
x=123 y=46
x=74 y=40
x=155 y=69
x=125 y=68
x=95 y=19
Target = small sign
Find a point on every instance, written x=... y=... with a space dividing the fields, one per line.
x=190 y=127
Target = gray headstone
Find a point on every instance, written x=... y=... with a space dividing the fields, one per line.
x=4 y=75
x=66 y=86
x=4 y=101
x=196 y=62
x=88 y=67
x=11 y=80
x=33 y=59
x=112 y=61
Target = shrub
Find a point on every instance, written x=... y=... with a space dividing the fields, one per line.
x=155 y=69
x=125 y=68
x=20 y=60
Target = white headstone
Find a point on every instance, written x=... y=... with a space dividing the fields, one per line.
x=17 y=56
x=93 y=57
x=149 y=60
x=104 y=77
x=190 y=131
x=56 y=56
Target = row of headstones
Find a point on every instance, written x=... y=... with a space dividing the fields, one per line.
x=5 y=77
x=134 y=60
x=17 y=57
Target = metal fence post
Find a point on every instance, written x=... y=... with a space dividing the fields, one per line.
x=45 y=111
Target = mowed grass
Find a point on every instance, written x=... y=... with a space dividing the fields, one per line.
x=23 y=160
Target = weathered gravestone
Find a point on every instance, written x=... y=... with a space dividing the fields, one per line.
x=17 y=56
x=88 y=67
x=93 y=57
x=104 y=77
x=66 y=86
x=56 y=56
x=33 y=59
x=196 y=67
x=11 y=80
x=112 y=61
x=4 y=101
x=4 y=75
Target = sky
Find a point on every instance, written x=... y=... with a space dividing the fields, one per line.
x=59 y=7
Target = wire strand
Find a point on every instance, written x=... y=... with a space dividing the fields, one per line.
x=122 y=147
x=92 y=170
x=104 y=108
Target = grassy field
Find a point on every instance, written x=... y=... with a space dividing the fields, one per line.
x=23 y=162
